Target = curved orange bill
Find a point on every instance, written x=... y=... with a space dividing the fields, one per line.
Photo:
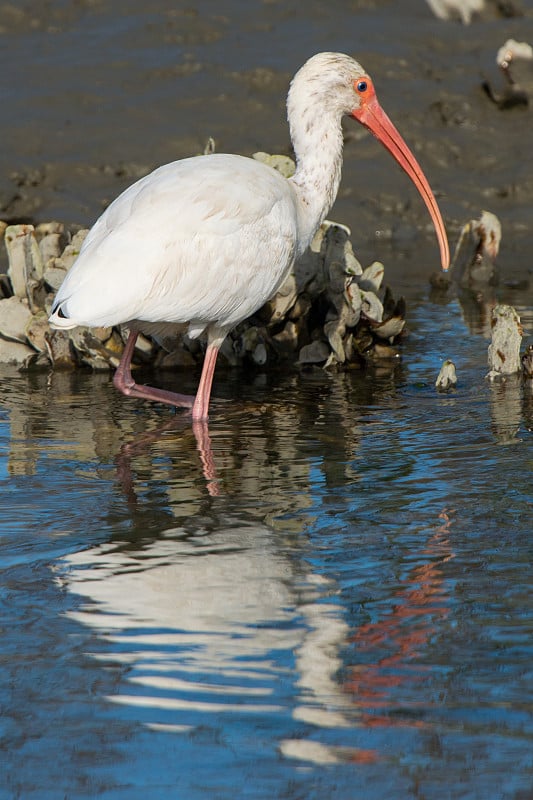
x=371 y=115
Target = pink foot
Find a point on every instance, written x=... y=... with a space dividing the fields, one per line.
x=140 y=390
x=123 y=381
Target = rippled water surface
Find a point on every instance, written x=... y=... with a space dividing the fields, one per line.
x=325 y=594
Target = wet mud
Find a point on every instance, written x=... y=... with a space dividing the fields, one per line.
x=95 y=95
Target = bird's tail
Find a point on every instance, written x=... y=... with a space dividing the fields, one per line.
x=59 y=318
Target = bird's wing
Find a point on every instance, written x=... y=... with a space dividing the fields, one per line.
x=197 y=239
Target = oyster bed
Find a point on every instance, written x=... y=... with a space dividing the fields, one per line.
x=330 y=311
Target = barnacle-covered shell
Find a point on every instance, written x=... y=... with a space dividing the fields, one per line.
x=506 y=338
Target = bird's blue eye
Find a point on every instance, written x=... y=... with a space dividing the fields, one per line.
x=362 y=86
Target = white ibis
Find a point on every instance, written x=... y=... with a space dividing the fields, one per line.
x=207 y=240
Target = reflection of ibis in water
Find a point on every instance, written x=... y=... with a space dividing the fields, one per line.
x=207 y=240
x=212 y=623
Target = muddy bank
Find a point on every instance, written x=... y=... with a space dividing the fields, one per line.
x=99 y=95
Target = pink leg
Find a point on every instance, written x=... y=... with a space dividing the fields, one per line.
x=200 y=409
x=124 y=382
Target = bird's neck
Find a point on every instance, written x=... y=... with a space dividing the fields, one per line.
x=317 y=141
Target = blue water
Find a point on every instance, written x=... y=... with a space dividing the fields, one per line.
x=331 y=599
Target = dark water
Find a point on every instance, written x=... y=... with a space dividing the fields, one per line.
x=327 y=593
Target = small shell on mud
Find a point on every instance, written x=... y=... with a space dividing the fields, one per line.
x=476 y=251
x=515 y=60
x=513 y=51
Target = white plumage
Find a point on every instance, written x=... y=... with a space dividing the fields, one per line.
x=207 y=240
x=190 y=225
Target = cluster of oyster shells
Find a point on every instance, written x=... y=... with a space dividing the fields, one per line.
x=472 y=274
x=329 y=312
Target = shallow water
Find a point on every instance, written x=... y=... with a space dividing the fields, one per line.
x=326 y=594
